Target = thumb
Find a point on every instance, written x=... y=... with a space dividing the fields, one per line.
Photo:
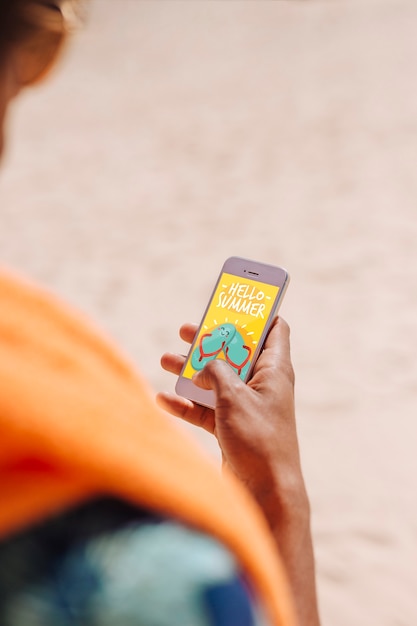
x=220 y=377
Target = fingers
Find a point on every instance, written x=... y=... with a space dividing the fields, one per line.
x=176 y=405
x=278 y=339
x=220 y=377
x=217 y=375
x=172 y=363
x=188 y=331
x=277 y=353
x=186 y=410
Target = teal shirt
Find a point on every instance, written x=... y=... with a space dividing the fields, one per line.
x=106 y=563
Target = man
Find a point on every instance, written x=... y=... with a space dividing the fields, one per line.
x=108 y=514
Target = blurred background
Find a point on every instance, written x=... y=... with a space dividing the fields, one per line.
x=178 y=133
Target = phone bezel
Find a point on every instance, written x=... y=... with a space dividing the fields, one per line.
x=242 y=268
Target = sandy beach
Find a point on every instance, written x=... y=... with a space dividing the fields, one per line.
x=178 y=133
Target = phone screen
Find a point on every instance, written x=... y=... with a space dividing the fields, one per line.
x=233 y=325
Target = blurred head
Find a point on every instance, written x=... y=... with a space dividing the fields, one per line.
x=32 y=33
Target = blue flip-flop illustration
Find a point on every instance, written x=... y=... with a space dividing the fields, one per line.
x=227 y=339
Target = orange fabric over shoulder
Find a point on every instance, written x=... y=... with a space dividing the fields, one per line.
x=76 y=421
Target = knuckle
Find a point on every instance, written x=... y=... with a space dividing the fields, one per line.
x=217 y=370
x=227 y=383
x=211 y=368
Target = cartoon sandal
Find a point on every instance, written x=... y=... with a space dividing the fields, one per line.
x=211 y=344
x=238 y=355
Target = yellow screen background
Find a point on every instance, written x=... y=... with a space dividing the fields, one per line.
x=250 y=322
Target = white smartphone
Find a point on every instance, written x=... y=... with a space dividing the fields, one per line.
x=243 y=304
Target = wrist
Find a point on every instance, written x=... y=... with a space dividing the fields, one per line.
x=283 y=499
x=287 y=510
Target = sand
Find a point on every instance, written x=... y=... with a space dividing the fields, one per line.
x=177 y=134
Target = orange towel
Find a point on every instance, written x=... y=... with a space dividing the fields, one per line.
x=77 y=420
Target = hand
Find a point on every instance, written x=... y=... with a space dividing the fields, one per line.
x=254 y=423
x=255 y=427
